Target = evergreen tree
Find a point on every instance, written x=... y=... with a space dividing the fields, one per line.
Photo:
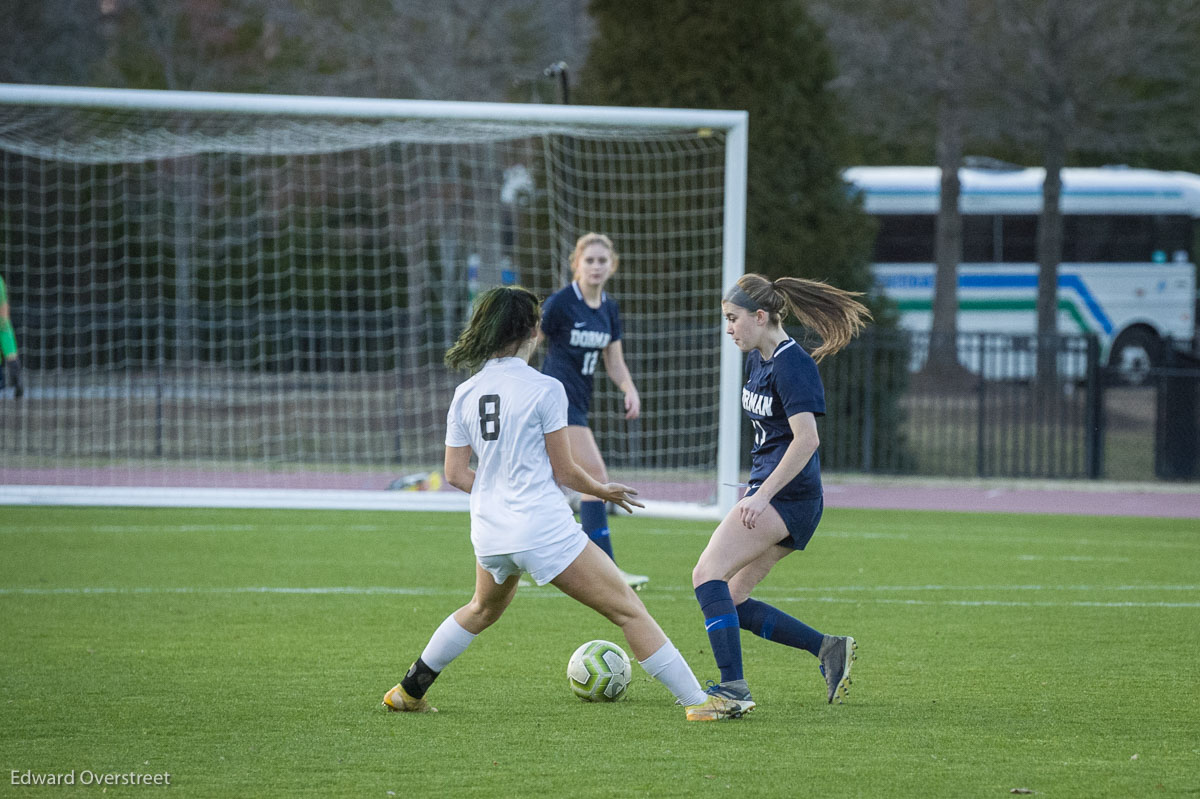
x=766 y=57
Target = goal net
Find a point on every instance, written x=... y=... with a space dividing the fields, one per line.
x=250 y=296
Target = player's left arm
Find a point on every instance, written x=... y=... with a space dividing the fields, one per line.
x=458 y=468
x=797 y=455
x=618 y=372
x=570 y=474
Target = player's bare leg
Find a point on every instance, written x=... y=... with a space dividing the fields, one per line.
x=487 y=605
x=594 y=517
x=595 y=580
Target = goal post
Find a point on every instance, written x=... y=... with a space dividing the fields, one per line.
x=244 y=299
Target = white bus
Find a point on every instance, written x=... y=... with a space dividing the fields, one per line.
x=1128 y=270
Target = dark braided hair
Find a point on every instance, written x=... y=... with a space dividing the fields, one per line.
x=504 y=318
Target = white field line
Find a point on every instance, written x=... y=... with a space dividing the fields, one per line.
x=1078 y=558
x=985 y=538
x=1001 y=587
x=218 y=528
x=995 y=603
x=400 y=528
x=778 y=595
x=350 y=590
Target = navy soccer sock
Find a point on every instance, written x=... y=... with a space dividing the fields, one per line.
x=773 y=624
x=593 y=516
x=721 y=624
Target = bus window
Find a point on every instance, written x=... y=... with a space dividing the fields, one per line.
x=1125 y=238
x=1087 y=239
x=1129 y=239
x=1174 y=236
x=1019 y=239
x=904 y=238
x=981 y=238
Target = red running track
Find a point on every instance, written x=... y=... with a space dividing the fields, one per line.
x=1085 y=499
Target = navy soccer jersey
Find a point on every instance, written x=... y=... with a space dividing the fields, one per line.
x=784 y=386
x=576 y=334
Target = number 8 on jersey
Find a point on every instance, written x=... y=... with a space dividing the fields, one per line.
x=489 y=416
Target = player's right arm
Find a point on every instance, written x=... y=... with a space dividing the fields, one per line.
x=570 y=474
x=553 y=319
x=457 y=465
x=799 y=452
x=458 y=469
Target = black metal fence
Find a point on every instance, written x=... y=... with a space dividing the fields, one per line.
x=891 y=410
x=986 y=414
x=1177 y=418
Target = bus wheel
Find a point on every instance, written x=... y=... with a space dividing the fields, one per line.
x=1135 y=352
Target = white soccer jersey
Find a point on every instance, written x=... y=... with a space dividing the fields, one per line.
x=504 y=413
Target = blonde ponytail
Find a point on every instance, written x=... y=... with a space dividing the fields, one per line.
x=832 y=313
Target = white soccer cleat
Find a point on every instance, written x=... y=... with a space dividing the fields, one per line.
x=634 y=581
x=837 y=655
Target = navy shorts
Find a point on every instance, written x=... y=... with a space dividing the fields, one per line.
x=800 y=516
x=577 y=415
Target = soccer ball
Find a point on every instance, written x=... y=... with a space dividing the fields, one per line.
x=599 y=671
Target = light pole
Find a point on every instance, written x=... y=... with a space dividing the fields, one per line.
x=559 y=70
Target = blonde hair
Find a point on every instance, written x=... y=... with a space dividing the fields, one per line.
x=832 y=313
x=587 y=240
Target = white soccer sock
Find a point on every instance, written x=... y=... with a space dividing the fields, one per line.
x=668 y=667
x=448 y=641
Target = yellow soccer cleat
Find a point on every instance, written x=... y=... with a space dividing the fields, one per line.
x=399 y=701
x=718 y=708
x=725 y=701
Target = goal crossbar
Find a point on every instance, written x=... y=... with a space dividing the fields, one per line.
x=369 y=108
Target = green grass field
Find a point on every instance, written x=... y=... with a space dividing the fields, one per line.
x=245 y=653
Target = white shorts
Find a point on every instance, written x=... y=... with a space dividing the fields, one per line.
x=543 y=563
